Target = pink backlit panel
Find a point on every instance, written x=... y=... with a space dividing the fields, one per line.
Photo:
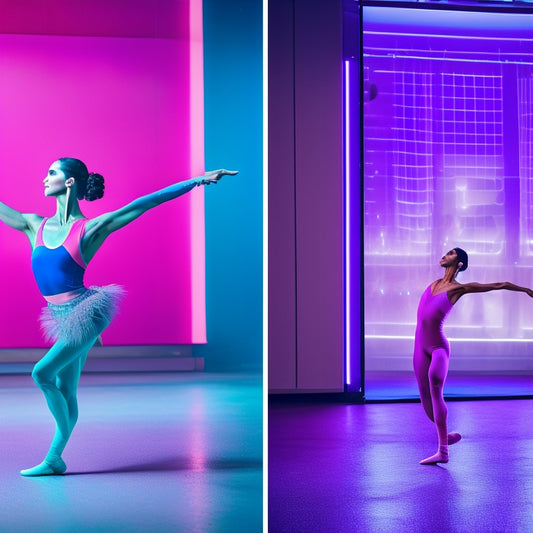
x=123 y=105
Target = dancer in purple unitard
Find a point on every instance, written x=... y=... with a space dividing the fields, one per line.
x=432 y=350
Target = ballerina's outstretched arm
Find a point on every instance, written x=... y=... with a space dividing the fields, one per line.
x=470 y=288
x=99 y=228
x=25 y=222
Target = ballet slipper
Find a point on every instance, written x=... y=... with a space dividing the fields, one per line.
x=440 y=457
x=453 y=438
x=49 y=467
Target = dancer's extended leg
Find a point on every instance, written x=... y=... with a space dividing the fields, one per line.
x=67 y=382
x=438 y=370
x=421 y=364
x=57 y=375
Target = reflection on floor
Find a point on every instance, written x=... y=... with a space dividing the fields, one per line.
x=153 y=452
x=343 y=468
x=383 y=386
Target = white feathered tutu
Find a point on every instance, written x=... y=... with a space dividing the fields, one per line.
x=80 y=319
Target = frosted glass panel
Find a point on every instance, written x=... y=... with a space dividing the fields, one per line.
x=448 y=162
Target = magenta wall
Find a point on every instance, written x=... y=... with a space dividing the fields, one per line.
x=119 y=85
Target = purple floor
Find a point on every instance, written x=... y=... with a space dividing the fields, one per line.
x=343 y=468
x=152 y=452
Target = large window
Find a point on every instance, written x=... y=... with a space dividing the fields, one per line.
x=447 y=154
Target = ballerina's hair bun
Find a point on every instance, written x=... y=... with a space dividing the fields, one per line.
x=89 y=186
x=462 y=256
x=95 y=187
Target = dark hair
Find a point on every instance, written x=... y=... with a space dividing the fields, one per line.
x=90 y=186
x=462 y=256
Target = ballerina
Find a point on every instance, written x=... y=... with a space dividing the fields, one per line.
x=432 y=349
x=75 y=316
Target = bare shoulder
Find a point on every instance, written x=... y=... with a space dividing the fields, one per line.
x=455 y=291
x=91 y=223
x=33 y=218
x=33 y=222
x=95 y=226
x=96 y=223
x=435 y=283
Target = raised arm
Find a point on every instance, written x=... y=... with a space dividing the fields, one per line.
x=470 y=288
x=27 y=223
x=99 y=228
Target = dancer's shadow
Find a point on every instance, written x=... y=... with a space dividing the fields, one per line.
x=177 y=464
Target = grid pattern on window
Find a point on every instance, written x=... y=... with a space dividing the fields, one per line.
x=525 y=146
x=434 y=154
x=413 y=158
x=472 y=151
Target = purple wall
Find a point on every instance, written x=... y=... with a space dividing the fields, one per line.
x=305 y=197
x=282 y=348
x=116 y=84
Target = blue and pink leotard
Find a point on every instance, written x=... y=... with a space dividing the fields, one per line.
x=59 y=270
x=74 y=312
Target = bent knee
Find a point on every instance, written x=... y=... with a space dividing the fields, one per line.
x=437 y=377
x=42 y=377
x=436 y=382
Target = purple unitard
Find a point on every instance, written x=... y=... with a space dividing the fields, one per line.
x=430 y=361
x=432 y=311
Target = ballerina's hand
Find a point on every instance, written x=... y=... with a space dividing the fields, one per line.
x=214 y=175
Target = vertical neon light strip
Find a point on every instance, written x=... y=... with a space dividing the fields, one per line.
x=197 y=162
x=347 y=218
x=265 y=263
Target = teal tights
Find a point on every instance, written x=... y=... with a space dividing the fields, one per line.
x=57 y=374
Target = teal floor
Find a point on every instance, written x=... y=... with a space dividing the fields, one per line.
x=152 y=452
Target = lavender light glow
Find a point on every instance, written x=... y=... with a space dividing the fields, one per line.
x=448 y=162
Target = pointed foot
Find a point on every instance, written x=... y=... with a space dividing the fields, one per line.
x=49 y=467
x=453 y=438
x=439 y=457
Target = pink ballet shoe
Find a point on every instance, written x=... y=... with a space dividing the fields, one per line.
x=453 y=438
x=440 y=457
